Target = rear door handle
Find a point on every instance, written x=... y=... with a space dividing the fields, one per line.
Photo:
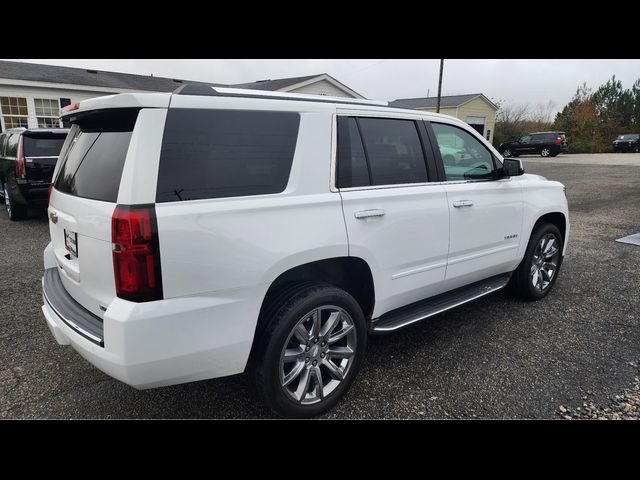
x=463 y=203
x=378 y=212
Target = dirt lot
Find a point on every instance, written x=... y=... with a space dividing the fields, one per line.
x=495 y=358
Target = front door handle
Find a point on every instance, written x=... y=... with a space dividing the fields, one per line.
x=463 y=203
x=378 y=212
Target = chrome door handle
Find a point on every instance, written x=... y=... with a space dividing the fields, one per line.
x=463 y=203
x=378 y=212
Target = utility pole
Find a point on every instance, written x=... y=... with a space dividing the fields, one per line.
x=440 y=84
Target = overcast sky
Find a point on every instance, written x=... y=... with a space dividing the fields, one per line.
x=513 y=81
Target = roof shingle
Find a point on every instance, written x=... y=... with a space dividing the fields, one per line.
x=431 y=102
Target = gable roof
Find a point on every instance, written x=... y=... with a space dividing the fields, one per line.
x=287 y=84
x=98 y=78
x=274 y=85
x=449 y=101
x=94 y=78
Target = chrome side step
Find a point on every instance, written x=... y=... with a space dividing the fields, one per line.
x=423 y=309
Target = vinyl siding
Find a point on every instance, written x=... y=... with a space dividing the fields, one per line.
x=30 y=93
x=322 y=87
x=475 y=108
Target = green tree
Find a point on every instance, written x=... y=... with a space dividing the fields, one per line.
x=579 y=120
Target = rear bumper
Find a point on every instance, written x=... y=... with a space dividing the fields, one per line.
x=166 y=342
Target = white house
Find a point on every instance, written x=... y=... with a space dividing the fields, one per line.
x=31 y=95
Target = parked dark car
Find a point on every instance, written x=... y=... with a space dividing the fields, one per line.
x=27 y=160
x=629 y=142
x=546 y=144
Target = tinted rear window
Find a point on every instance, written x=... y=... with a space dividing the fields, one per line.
x=43 y=145
x=93 y=155
x=225 y=153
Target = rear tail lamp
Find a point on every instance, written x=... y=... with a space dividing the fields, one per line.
x=136 y=253
x=49 y=193
x=20 y=168
x=558 y=141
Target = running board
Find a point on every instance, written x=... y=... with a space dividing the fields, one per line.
x=415 y=312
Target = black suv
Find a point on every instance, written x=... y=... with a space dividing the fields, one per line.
x=27 y=160
x=546 y=144
x=629 y=142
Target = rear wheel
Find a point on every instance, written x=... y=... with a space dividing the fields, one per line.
x=15 y=212
x=310 y=352
x=538 y=271
x=507 y=152
x=545 y=152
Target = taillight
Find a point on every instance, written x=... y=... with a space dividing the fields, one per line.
x=558 y=141
x=49 y=193
x=136 y=253
x=20 y=169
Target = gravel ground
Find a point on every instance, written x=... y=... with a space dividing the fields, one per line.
x=620 y=407
x=495 y=358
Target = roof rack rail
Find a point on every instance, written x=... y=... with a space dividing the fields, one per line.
x=206 y=90
x=195 y=89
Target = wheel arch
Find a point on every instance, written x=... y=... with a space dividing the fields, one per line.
x=558 y=219
x=351 y=274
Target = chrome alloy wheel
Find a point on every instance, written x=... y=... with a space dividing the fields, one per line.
x=317 y=354
x=545 y=262
x=506 y=153
x=545 y=152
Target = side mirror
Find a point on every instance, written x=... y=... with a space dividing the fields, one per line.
x=513 y=167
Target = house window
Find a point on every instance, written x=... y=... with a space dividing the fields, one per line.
x=47 y=112
x=14 y=112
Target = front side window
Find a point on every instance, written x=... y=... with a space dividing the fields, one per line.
x=47 y=112
x=463 y=156
x=525 y=139
x=14 y=112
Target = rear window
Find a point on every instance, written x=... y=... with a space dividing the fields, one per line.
x=93 y=155
x=225 y=153
x=43 y=145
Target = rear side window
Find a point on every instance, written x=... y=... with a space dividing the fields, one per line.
x=379 y=151
x=11 y=148
x=93 y=155
x=394 y=151
x=43 y=145
x=352 y=162
x=225 y=153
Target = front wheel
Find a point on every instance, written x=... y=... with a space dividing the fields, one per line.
x=538 y=271
x=310 y=352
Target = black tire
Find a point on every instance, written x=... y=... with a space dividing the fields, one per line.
x=545 y=152
x=264 y=366
x=520 y=283
x=15 y=212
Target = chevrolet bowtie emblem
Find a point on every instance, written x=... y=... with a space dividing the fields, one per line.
x=53 y=217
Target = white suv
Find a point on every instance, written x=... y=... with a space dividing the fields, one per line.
x=211 y=231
